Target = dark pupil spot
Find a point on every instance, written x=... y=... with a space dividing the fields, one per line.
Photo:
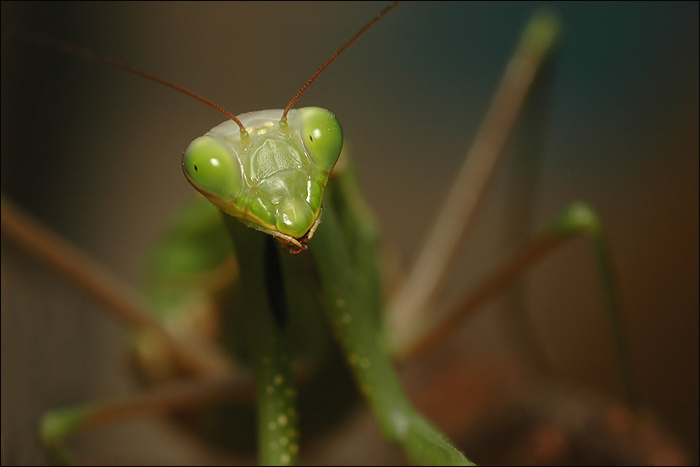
x=195 y=168
x=311 y=138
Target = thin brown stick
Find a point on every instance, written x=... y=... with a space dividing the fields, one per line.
x=59 y=425
x=408 y=311
x=485 y=291
x=84 y=273
x=167 y=398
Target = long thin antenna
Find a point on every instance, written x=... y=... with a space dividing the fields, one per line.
x=83 y=52
x=334 y=56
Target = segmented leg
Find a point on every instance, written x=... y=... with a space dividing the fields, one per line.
x=354 y=322
x=411 y=304
x=577 y=219
x=267 y=341
x=59 y=424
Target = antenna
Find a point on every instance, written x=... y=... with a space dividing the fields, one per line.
x=334 y=56
x=83 y=52
x=48 y=41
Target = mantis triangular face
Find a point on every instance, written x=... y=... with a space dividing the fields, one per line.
x=271 y=177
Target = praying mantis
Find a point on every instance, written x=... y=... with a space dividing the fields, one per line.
x=378 y=151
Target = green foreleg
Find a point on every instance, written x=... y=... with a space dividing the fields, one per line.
x=360 y=229
x=267 y=343
x=353 y=319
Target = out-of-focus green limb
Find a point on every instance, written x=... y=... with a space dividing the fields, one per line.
x=57 y=425
x=277 y=428
x=578 y=218
x=582 y=218
x=353 y=320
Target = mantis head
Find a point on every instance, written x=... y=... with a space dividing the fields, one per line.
x=272 y=174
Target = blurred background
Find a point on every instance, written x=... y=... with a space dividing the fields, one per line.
x=95 y=154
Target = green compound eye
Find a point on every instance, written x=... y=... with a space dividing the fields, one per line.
x=322 y=136
x=211 y=168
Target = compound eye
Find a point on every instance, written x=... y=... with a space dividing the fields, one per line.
x=212 y=168
x=322 y=135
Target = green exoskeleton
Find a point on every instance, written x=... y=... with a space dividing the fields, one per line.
x=275 y=173
x=272 y=175
x=269 y=170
